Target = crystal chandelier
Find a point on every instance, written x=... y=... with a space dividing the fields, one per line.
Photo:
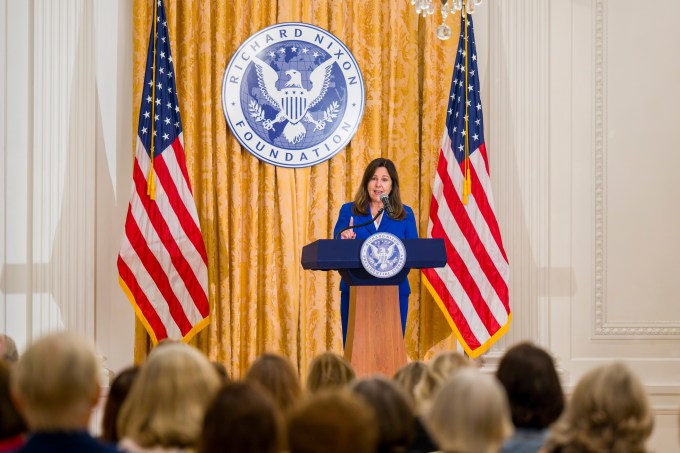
x=428 y=8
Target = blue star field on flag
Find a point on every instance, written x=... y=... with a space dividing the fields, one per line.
x=455 y=116
x=159 y=96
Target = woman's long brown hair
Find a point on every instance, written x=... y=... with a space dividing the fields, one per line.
x=362 y=199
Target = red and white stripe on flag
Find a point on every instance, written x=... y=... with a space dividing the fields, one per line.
x=162 y=264
x=472 y=289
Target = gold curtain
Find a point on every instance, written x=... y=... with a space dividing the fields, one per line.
x=256 y=217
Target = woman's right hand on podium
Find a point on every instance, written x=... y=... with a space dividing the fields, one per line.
x=349 y=234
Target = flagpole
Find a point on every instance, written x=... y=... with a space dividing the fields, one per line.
x=467 y=183
x=151 y=186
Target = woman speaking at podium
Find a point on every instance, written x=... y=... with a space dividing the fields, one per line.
x=380 y=180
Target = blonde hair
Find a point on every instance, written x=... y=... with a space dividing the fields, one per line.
x=329 y=370
x=609 y=411
x=56 y=380
x=419 y=383
x=167 y=401
x=446 y=363
x=8 y=349
x=470 y=414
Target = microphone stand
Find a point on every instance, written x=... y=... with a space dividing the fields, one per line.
x=380 y=211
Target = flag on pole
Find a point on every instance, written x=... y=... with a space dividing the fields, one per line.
x=472 y=289
x=162 y=265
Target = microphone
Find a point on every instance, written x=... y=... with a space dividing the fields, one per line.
x=388 y=207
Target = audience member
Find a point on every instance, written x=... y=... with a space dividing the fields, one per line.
x=120 y=387
x=8 y=349
x=396 y=423
x=332 y=421
x=446 y=363
x=535 y=395
x=166 y=404
x=276 y=375
x=12 y=426
x=242 y=418
x=419 y=383
x=329 y=370
x=222 y=371
x=470 y=414
x=608 y=412
x=55 y=385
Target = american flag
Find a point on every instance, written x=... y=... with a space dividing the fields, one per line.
x=162 y=265
x=472 y=289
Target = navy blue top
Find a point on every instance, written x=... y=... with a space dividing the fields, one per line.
x=525 y=441
x=65 y=441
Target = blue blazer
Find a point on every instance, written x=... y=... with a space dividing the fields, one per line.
x=403 y=229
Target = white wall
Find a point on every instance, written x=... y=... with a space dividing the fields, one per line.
x=114 y=314
x=581 y=107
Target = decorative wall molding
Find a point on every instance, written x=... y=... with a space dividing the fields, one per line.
x=603 y=328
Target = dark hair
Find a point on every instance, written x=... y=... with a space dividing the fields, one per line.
x=396 y=419
x=528 y=374
x=362 y=199
x=11 y=422
x=332 y=421
x=222 y=371
x=242 y=418
x=276 y=374
x=120 y=387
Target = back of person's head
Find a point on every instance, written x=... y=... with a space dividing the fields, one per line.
x=8 y=349
x=534 y=392
x=332 y=421
x=418 y=382
x=11 y=422
x=609 y=411
x=242 y=418
x=167 y=402
x=276 y=375
x=55 y=382
x=396 y=418
x=120 y=387
x=329 y=370
x=470 y=414
x=446 y=363
x=222 y=371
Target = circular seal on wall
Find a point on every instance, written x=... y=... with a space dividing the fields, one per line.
x=293 y=95
x=383 y=255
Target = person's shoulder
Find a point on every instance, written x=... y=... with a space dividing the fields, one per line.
x=94 y=444
x=347 y=206
x=408 y=210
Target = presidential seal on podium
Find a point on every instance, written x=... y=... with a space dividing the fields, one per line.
x=383 y=255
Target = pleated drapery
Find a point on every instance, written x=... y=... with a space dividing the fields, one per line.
x=256 y=217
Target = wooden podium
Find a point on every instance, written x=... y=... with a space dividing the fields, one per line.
x=374 y=340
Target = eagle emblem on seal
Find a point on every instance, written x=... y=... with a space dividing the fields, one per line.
x=383 y=257
x=293 y=101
